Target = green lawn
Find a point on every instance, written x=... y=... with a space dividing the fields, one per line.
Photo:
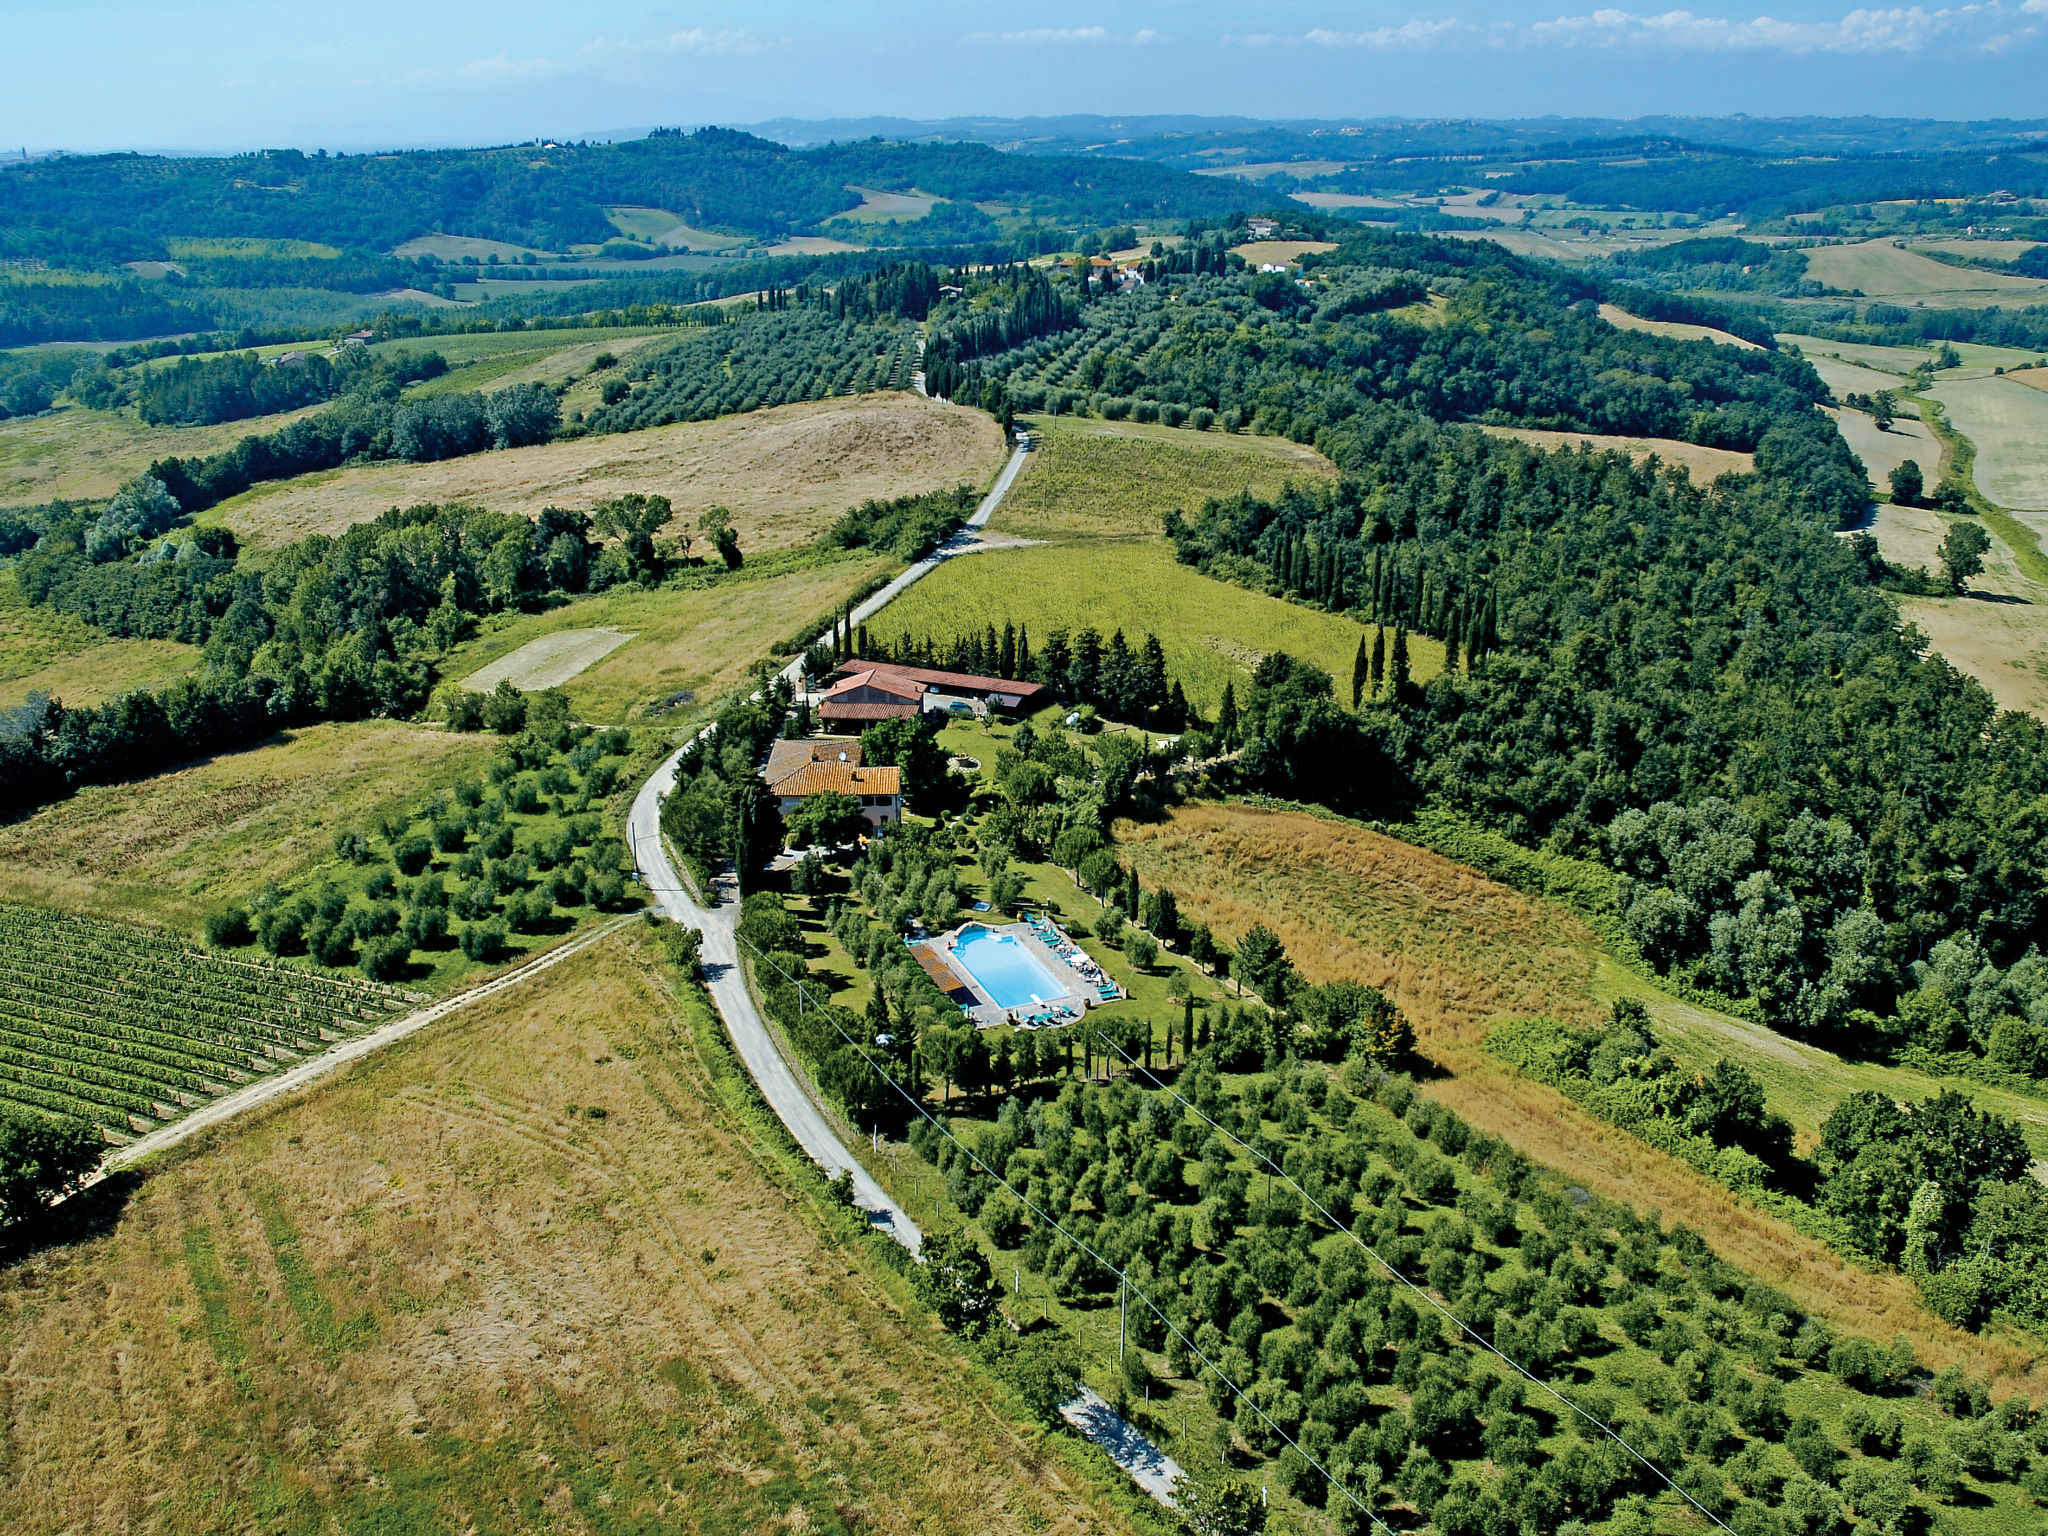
x=1212 y=633
x=1118 y=479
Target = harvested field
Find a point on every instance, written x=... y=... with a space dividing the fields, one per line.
x=73 y=454
x=1846 y=378
x=1621 y=319
x=1459 y=952
x=701 y=641
x=523 y=1271
x=2033 y=378
x=455 y=247
x=1260 y=170
x=785 y=474
x=2009 y=424
x=560 y=357
x=811 y=245
x=889 y=207
x=1998 y=634
x=1883 y=452
x=549 y=661
x=1882 y=270
x=1279 y=252
x=171 y=848
x=1212 y=633
x=1118 y=479
x=1705 y=464
x=1344 y=200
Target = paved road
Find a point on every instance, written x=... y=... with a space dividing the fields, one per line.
x=1149 y=1467
x=265 y=1089
x=772 y=1074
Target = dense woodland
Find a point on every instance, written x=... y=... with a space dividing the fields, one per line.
x=123 y=207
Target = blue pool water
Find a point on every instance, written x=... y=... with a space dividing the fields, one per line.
x=1008 y=972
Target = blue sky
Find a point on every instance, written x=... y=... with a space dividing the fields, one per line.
x=89 y=74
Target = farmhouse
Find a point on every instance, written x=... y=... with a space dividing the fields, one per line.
x=1261 y=229
x=894 y=689
x=826 y=764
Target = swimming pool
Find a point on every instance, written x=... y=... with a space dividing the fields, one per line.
x=1004 y=969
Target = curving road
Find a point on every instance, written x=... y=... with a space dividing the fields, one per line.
x=772 y=1074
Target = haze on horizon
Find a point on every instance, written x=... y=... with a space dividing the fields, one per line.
x=229 y=74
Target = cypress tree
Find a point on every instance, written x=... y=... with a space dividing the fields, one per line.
x=1176 y=708
x=860 y=641
x=1187 y=1026
x=1226 y=715
x=1006 y=657
x=991 y=650
x=1400 y=661
x=1379 y=658
x=1377 y=610
x=1451 y=649
x=1361 y=672
x=1023 y=652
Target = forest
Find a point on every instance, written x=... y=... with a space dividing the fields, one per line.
x=95 y=209
x=328 y=628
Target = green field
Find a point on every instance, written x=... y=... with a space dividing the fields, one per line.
x=889 y=207
x=1111 y=479
x=247 y=247
x=455 y=247
x=546 y=357
x=1213 y=633
x=700 y=641
x=664 y=228
x=42 y=650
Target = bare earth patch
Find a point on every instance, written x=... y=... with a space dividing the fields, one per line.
x=785 y=473
x=1706 y=464
x=549 y=661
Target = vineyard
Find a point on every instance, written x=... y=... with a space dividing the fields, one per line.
x=127 y=1027
x=778 y=357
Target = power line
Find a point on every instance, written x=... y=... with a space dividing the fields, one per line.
x=1193 y=1348
x=1437 y=1306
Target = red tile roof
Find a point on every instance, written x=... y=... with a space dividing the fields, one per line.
x=787 y=757
x=832 y=710
x=931 y=677
x=824 y=778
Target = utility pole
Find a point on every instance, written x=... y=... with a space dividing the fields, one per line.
x=1122 y=1287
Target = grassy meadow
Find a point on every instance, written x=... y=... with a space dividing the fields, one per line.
x=73 y=454
x=1118 y=479
x=1213 y=633
x=1459 y=952
x=44 y=651
x=702 y=640
x=526 y=1269
x=1883 y=270
x=171 y=848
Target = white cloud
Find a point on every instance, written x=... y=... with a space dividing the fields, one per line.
x=1988 y=26
x=1091 y=35
x=1410 y=34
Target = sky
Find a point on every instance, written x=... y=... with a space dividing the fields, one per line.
x=230 y=74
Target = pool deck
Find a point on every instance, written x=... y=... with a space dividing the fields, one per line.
x=1064 y=960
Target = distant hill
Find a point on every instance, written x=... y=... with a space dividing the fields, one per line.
x=548 y=196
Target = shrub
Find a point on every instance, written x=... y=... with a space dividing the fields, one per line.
x=228 y=927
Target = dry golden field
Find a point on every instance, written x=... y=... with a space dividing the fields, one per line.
x=1704 y=464
x=523 y=1272
x=785 y=473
